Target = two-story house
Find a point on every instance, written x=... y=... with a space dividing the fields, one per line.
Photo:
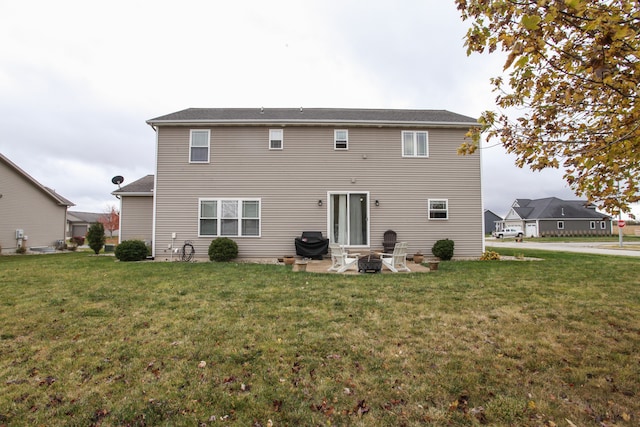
x=262 y=176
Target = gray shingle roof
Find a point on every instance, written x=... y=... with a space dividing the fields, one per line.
x=554 y=208
x=89 y=217
x=388 y=117
x=142 y=186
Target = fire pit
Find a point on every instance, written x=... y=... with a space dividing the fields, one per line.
x=370 y=264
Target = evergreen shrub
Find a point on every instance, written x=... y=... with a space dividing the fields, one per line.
x=95 y=237
x=443 y=249
x=223 y=249
x=131 y=250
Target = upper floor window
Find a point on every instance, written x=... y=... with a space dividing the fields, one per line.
x=229 y=217
x=438 y=209
x=199 y=146
x=415 y=144
x=276 y=139
x=340 y=139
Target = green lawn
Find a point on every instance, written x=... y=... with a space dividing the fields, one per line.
x=85 y=340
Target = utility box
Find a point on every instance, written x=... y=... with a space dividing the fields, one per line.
x=19 y=234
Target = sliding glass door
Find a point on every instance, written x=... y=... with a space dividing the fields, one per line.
x=349 y=218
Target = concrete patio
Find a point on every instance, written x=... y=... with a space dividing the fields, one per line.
x=322 y=266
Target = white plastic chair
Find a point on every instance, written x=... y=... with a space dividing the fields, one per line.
x=397 y=261
x=341 y=260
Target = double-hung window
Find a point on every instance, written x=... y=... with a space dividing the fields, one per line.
x=229 y=217
x=199 y=146
x=415 y=144
x=276 y=139
x=438 y=209
x=340 y=139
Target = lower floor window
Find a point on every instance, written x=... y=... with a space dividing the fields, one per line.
x=229 y=217
x=560 y=225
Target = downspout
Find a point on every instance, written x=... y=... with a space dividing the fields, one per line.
x=154 y=192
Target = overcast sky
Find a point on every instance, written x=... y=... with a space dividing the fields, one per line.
x=78 y=79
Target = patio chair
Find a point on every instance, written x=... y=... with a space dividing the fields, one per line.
x=389 y=241
x=397 y=261
x=341 y=260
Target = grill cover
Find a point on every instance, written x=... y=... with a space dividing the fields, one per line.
x=312 y=245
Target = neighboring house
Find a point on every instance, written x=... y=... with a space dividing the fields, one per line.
x=31 y=215
x=555 y=217
x=263 y=176
x=78 y=223
x=136 y=199
x=492 y=222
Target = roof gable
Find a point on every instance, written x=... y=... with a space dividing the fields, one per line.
x=47 y=191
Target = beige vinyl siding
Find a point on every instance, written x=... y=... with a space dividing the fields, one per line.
x=137 y=224
x=290 y=182
x=25 y=206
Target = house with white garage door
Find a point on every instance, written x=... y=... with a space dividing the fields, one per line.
x=555 y=217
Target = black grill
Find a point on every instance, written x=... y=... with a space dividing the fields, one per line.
x=312 y=245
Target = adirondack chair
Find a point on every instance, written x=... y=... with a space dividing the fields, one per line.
x=397 y=261
x=389 y=241
x=341 y=260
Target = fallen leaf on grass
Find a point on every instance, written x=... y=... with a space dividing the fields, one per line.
x=360 y=409
x=202 y=364
x=47 y=381
x=323 y=408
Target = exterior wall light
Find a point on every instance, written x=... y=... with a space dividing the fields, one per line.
x=377 y=202
x=320 y=202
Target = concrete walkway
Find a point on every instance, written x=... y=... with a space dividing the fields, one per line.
x=601 y=248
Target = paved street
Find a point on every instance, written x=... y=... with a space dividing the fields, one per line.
x=609 y=248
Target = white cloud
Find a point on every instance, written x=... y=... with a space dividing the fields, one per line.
x=78 y=79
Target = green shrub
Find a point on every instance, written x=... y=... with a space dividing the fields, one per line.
x=21 y=250
x=443 y=249
x=223 y=249
x=95 y=237
x=131 y=250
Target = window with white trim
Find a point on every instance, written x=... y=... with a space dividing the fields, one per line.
x=415 y=144
x=603 y=225
x=438 y=209
x=199 y=145
x=229 y=217
x=340 y=139
x=592 y=225
x=560 y=225
x=276 y=139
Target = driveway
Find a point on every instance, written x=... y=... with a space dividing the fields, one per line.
x=608 y=248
